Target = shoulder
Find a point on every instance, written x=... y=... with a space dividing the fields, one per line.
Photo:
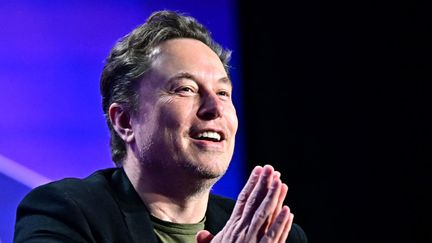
x=68 y=207
x=72 y=188
x=221 y=202
x=98 y=178
x=220 y=207
x=87 y=192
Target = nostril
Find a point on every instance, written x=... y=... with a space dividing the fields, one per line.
x=209 y=116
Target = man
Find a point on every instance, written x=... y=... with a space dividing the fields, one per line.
x=167 y=99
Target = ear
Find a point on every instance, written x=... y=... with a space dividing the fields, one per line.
x=121 y=121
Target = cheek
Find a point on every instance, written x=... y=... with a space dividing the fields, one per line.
x=232 y=120
x=175 y=117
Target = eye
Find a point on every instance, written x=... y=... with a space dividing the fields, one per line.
x=224 y=93
x=185 y=90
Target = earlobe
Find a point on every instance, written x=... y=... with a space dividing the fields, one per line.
x=121 y=122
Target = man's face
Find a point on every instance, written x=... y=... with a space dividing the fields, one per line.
x=186 y=119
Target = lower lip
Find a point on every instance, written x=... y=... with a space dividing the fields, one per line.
x=209 y=144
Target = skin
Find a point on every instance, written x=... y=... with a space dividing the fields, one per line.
x=181 y=98
x=187 y=92
x=258 y=215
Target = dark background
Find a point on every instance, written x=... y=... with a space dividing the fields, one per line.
x=337 y=97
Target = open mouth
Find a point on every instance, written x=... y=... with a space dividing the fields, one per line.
x=209 y=135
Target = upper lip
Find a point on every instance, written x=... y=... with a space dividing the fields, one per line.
x=195 y=132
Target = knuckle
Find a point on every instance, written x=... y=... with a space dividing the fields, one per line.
x=271 y=234
x=242 y=197
x=262 y=214
x=252 y=200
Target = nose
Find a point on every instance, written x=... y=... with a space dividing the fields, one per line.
x=211 y=107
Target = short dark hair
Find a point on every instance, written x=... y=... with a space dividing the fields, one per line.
x=130 y=59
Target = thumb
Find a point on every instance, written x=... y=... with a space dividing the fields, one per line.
x=203 y=236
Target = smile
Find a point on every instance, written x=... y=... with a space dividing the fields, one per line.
x=209 y=135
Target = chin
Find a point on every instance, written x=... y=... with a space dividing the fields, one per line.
x=210 y=174
x=208 y=170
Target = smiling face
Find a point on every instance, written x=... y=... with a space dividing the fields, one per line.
x=186 y=120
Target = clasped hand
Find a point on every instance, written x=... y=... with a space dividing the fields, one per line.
x=259 y=214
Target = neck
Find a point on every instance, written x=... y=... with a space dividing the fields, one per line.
x=170 y=196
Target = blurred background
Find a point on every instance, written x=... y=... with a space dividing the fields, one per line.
x=335 y=95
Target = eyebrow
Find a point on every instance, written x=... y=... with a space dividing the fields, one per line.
x=188 y=75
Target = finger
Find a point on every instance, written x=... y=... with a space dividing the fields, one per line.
x=234 y=222
x=282 y=195
x=287 y=229
x=276 y=211
x=258 y=194
x=278 y=228
x=276 y=175
x=203 y=236
x=266 y=209
x=255 y=200
x=246 y=191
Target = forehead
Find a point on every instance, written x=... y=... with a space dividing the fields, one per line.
x=187 y=56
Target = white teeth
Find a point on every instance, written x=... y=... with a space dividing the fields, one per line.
x=213 y=135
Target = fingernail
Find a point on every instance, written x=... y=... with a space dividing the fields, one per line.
x=268 y=169
x=256 y=171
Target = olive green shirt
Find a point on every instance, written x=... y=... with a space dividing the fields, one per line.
x=168 y=232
